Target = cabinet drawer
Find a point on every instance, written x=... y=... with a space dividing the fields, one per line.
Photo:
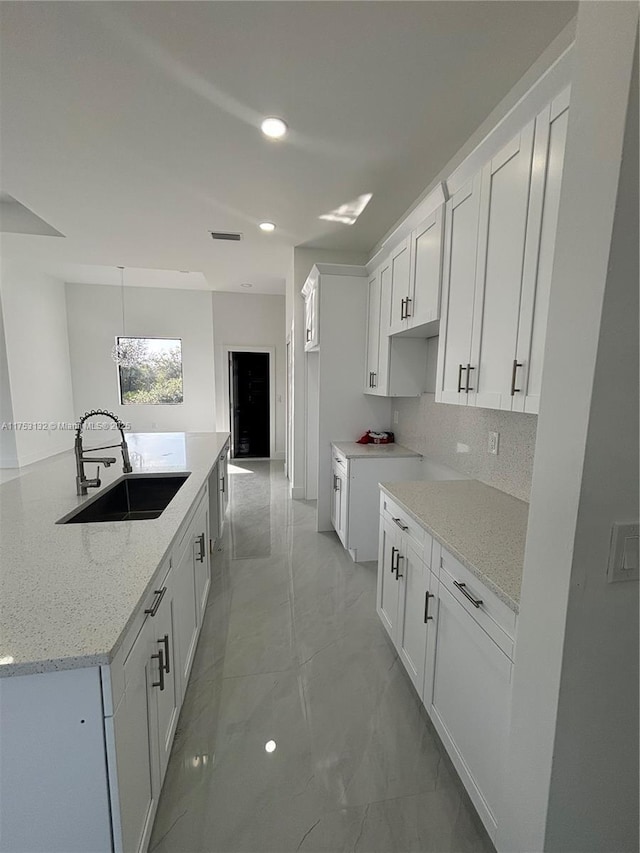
x=113 y=680
x=418 y=537
x=492 y=614
x=339 y=460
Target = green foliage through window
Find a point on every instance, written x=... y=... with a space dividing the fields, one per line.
x=153 y=375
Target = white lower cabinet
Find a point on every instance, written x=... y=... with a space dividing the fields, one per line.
x=455 y=639
x=340 y=498
x=407 y=599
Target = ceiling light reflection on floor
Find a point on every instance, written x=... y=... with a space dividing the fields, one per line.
x=270 y=746
x=235 y=469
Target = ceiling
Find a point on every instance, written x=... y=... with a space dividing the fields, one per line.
x=133 y=128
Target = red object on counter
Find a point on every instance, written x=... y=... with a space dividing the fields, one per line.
x=371 y=437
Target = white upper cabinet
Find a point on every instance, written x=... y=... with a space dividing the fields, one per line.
x=423 y=304
x=311 y=314
x=396 y=366
x=504 y=198
x=400 y=262
x=548 y=159
x=499 y=242
x=459 y=276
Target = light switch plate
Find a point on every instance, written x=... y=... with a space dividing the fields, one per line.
x=623 y=553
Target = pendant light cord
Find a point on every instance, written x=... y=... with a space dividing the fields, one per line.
x=122 y=299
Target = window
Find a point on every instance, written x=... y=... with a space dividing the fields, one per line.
x=153 y=375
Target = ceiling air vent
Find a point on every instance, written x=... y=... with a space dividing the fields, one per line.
x=226 y=235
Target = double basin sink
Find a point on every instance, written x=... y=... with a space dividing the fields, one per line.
x=134 y=497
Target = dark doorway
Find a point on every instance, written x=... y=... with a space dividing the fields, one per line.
x=249 y=404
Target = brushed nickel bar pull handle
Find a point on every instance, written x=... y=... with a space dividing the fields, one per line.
x=400 y=524
x=469 y=369
x=394 y=551
x=398 y=575
x=165 y=642
x=460 y=369
x=406 y=313
x=516 y=365
x=154 y=607
x=462 y=587
x=374 y=380
x=428 y=595
x=402 y=310
x=160 y=658
x=308 y=335
x=200 y=541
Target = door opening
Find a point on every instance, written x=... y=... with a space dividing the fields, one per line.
x=249 y=404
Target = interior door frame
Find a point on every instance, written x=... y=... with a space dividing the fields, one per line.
x=226 y=412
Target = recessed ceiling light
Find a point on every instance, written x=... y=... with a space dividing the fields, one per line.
x=267 y=226
x=274 y=128
x=246 y=284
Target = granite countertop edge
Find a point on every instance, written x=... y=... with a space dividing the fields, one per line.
x=350 y=450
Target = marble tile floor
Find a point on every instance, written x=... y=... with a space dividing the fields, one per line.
x=300 y=730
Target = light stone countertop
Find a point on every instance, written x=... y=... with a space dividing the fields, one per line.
x=481 y=526
x=353 y=450
x=68 y=592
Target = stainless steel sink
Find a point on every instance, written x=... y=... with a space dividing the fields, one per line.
x=134 y=497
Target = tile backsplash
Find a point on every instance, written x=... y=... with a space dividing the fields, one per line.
x=458 y=436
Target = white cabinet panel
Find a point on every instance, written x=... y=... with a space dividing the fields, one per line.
x=471 y=703
x=400 y=262
x=185 y=610
x=388 y=587
x=165 y=685
x=503 y=220
x=136 y=749
x=413 y=612
x=201 y=559
x=459 y=276
x=548 y=160
x=426 y=274
x=373 y=332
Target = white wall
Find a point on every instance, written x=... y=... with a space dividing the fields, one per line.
x=37 y=363
x=572 y=773
x=250 y=320
x=95 y=319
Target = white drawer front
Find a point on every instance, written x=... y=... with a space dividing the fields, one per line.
x=492 y=614
x=390 y=510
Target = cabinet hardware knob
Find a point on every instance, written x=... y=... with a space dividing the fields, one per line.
x=154 y=607
x=460 y=369
x=514 y=370
x=463 y=589
x=161 y=670
x=165 y=642
x=428 y=595
x=469 y=369
x=400 y=524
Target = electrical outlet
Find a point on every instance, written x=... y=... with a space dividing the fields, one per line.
x=494 y=440
x=623 y=553
x=395 y=417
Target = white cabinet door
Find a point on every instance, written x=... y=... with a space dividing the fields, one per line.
x=426 y=273
x=201 y=559
x=136 y=747
x=548 y=157
x=164 y=688
x=185 y=610
x=223 y=489
x=506 y=181
x=413 y=616
x=373 y=334
x=471 y=702
x=340 y=502
x=388 y=584
x=462 y=215
x=400 y=263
